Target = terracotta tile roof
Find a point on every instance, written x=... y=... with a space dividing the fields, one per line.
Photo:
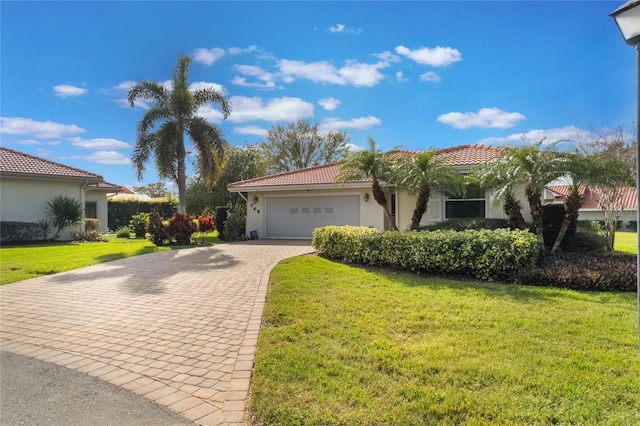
x=106 y=186
x=630 y=197
x=326 y=175
x=15 y=162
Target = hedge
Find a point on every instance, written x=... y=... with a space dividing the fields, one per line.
x=484 y=254
x=20 y=232
x=121 y=211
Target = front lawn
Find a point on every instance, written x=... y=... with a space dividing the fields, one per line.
x=626 y=242
x=349 y=345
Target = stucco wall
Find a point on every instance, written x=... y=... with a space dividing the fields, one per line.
x=627 y=216
x=100 y=198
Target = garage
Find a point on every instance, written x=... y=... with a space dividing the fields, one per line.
x=297 y=217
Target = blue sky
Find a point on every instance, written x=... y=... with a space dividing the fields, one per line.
x=410 y=74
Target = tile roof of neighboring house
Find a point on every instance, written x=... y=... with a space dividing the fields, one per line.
x=106 y=186
x=629 y=199
x=19 y=163
x=463 y=155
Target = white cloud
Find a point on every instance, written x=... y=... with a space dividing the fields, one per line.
x=238 y=50
x=106 y=157
x=355 y=123
x=400 y=77
x=486 y=117
x=341 y=28
x=387 y=56
x=354 y=73
x=39 y=129
x=241 y=81
x=436 y=57
x=99 y=143
x=430 y=76
x=66 y=90
x=29 y=142
x=208 y=56
x=249 y=109
x=353 y=147
x=205 y=85
x=250 y=130
x=559 y=134
x=125 y=85
x=267 y=78
x=329 y=103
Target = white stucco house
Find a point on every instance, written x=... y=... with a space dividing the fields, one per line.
x=293 y=204
x=28 y=182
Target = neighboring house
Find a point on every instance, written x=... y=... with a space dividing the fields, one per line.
x=591 y=209
x=27 y=183
x=293 y=204
x=127 y=194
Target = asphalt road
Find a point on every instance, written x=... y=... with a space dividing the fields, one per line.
x=35 y=393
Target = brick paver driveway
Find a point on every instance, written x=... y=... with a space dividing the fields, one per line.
x=178 y=327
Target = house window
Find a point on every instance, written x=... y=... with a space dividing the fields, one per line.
x=91 y=210
x=471 y=206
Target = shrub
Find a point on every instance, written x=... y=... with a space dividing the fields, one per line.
x=158 y=229
x=181 y=228
x=92 y=236
x=552 y=217
x=20 y=232
x=45 y=227
x=121 y=211
x=138 y=224
x=123 y=232
x=594 y=226
x=234 y=226
x=64 y=211
x=586 y=242
x=584 y=272
x=206 y=224
x=91 y=225
x=633 y=225
x=485 y=254
x=221 y=219
x=464 y=224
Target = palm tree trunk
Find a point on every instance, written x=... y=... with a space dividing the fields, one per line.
x=513 y=210
x=571 y=207
x=181 y=178
x=378 y=195
x=421 y=206
x=533 y=196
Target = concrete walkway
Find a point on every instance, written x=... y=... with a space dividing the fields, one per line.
x=179 y=328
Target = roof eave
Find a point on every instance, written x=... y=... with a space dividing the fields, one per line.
x=83 y=179
x=300 y=187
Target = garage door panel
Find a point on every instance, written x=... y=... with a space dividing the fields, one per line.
x=297 y=217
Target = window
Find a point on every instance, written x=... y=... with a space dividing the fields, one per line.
x=471 y=206
x=305 y=210
x=91 y=210
x=293 y=210
x=328 y=210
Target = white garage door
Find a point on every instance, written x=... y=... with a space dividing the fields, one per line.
x=297 y=217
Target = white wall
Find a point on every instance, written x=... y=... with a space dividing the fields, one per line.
x=626 y=216
x=100 y=198
x=370 y=212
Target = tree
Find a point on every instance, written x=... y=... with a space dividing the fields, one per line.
x=241 y=163
x=420 y=173
x=164 y=125
x=369 y=165
x=153 y=190
x=532 y=167
x=64 y=211
x=300 y=145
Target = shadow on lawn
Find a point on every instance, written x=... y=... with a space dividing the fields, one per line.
x=151 y=272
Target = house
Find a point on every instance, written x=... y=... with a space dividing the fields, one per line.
x=591 y=210
x=28 y=182
x=127 y=194
x=293 y=204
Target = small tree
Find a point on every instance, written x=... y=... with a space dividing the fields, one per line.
x=300 y=145
x=64 y=211
x=370 y=165
x=153 y=190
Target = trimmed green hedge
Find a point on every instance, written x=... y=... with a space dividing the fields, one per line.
x=120 y=212
x=484 y=254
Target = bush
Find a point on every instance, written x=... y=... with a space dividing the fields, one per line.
x=138 y=224
x=584 y=272
x=633 y=225
x=587 y=242
x=20 y=232
x=158 y=229
x=123 y=232
x=181 y=228
x=485 y=254
x=221 y=219
x=464 y=224
x=64 y=211
x=121 y=211
x=92 y=236
x=552 y=217
x=594 y=226
x=234 y=226
x=206 y=224
x=91 y=225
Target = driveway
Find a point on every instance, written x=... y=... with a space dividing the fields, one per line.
x=179 y=328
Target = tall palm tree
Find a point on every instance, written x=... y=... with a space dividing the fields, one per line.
x=373 y=165
x=420 y=173
x=163 y=127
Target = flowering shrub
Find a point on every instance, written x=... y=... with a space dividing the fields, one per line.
x=485 y=254
x=158 y=229
x=181 y=228
x=206 y=224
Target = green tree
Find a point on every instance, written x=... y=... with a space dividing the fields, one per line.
x=153 y=190
x=241 y=163
x=419 y=174
x=300 y=145
x=64 y=211
x=370 y=165
x=164 y=125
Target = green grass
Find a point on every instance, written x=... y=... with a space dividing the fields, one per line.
x=23 y=262
x=343 y=345
x=626 y=242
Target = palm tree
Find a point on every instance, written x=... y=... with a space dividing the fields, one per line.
x=420 y=173
x=163 y=126
x=373 y=165
x=64 y=211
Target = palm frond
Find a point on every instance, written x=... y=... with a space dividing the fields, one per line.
x=145 y=144
x=148 y=90
x=168 y=141
x=210 y=145
x=209 y=95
